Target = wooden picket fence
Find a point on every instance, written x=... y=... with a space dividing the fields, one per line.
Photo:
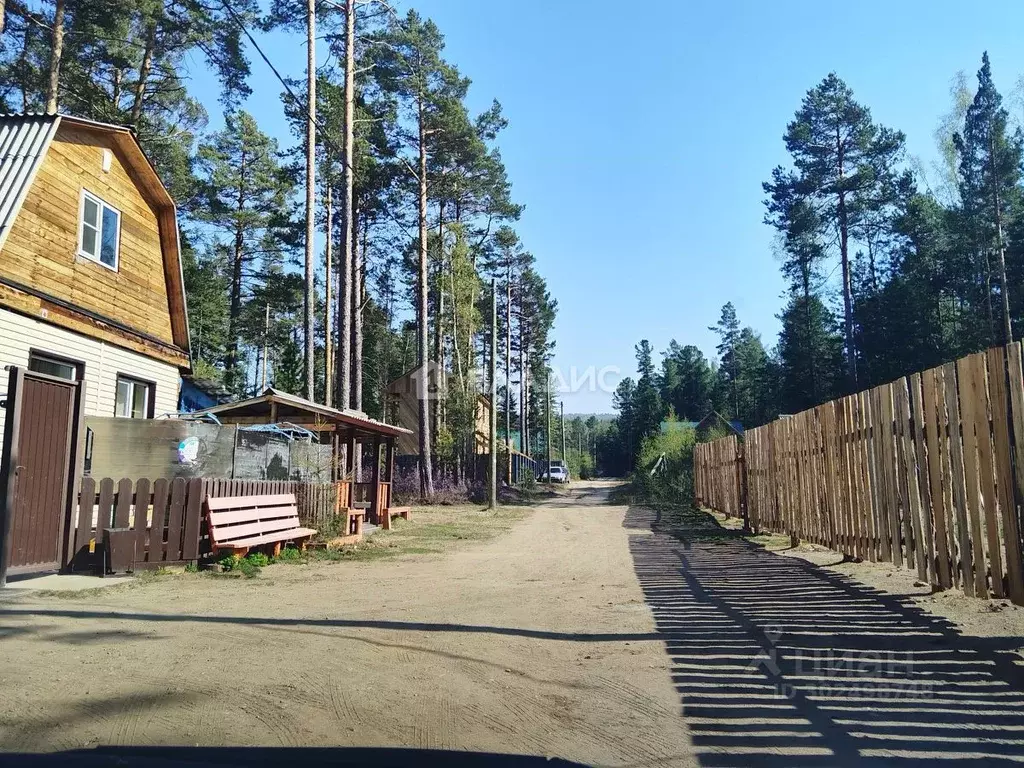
x=926 y=472
x=718 y=475
x=166 y=516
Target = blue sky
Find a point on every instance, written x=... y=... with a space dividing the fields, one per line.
x=639 y=136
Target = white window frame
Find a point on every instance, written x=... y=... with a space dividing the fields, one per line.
x=102 y=204
x=148 y=386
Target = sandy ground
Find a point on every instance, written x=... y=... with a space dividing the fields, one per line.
x=972 y=616
x=600 y=634
x=538 y=642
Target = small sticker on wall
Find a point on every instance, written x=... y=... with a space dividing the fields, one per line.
x=188 y=450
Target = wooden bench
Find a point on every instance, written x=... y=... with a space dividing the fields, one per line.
x=241 y=523
x=403 y=512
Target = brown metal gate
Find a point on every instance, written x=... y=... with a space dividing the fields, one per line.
x=37 y=470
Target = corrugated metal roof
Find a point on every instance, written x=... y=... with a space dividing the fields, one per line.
x=24 y=140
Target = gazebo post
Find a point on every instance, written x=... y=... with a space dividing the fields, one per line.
x=389 y=463
x=382 y=517
x=334 y=455
x=350 y=459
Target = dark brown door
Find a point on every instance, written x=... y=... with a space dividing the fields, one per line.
x=40 y=429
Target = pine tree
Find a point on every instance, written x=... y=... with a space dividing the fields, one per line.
x=990 y=167
x=247 y=195
x=844 y=167
x=728 y=330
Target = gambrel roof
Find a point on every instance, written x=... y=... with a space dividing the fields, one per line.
x=24 y=142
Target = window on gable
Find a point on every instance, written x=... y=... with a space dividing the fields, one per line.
x=99 y=230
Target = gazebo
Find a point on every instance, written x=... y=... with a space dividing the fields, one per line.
x=338 y=428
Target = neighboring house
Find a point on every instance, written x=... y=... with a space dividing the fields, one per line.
x=90 y=272
x=403 y=410
x=200 y=394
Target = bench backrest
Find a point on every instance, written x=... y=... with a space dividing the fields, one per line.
x=242 y=517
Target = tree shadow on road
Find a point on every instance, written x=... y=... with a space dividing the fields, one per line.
x=778 y=662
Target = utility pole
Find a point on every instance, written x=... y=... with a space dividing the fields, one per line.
x=561 y=406
x=310 y=287
x=547 y=436
x=493 y=479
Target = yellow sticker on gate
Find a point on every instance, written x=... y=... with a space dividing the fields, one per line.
x=92 y=546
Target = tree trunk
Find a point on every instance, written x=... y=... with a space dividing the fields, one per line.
x=456 y=352
x=328 y=296
x=56 y=52
x=348 y=181
x=309 y=298
x=23 y=63
x=508 y=370
x=844 y=250
x=234 y=310
x=139 y=94
x=235 y=303
x=988 y=298
x=524 y=365
x=117 y=80
x=806 y=274
x=426 y=459
x=358 y=293
x=439 y=356
x=1007 y=327
x=356 y=364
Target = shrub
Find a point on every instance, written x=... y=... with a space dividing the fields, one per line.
x=248 y=566
x=669 y=479
x=290 y=555
x=258 y=559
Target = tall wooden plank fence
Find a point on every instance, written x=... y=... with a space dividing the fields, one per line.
x=926 y=472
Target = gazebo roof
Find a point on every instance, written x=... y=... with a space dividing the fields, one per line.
x=274 y=406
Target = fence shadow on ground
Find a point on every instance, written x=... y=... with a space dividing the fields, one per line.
x=778 y=662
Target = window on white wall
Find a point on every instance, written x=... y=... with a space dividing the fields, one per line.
x=134 y=398
x=99 y=230
x=51 y=365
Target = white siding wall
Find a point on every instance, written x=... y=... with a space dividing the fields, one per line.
x=103 y=362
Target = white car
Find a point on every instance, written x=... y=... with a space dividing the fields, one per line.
x=558 y=473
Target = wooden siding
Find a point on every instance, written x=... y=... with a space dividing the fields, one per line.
x=403 y=409
x=103 y=362
x=41 y=249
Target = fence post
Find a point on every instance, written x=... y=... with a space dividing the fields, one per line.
x=741 y=480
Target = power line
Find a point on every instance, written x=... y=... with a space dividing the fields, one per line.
x=304 y=104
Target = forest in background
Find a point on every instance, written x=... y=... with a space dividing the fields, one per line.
x=411 y=196
x=892 y=267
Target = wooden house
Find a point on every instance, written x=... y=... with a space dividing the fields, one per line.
x=403 y=409
x=91 y=281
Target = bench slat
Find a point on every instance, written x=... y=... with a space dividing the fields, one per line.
x=255 y=528
x=247 y=515
x=255 y=541
x=250 y=502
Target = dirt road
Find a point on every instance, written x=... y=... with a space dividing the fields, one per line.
x=537 y=642
x=588 y=632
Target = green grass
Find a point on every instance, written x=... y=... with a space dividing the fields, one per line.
x=431 y=530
